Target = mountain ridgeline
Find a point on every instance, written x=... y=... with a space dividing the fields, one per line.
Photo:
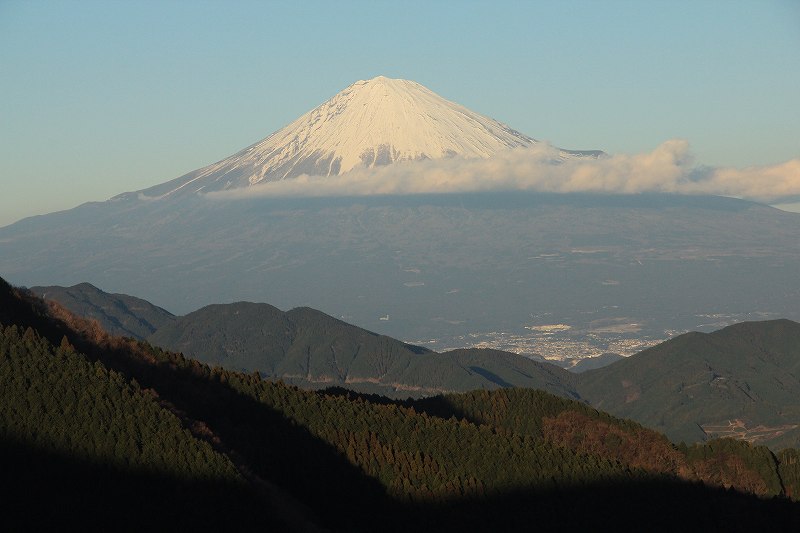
x=119 y=314
x=310 y=348
x=92 y=426
x=741 y=381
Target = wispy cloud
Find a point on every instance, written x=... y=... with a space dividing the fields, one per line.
x=767 y=183
x=668 y=168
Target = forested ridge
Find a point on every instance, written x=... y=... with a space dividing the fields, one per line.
x=308 y=348
x=697 y=383
x=169 y=440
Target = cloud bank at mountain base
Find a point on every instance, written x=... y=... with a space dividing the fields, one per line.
x=669 y=168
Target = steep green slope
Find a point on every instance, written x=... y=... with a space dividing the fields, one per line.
x=81 y=447
x=366 y=463
x=500 y=460
x=311 y=349
x=57 y=400
x=118 y=314
x=741 y=381
x=573 y=425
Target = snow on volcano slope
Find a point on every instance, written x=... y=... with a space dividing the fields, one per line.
x=370 y=123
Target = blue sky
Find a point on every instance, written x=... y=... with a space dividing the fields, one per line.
x=98 y=98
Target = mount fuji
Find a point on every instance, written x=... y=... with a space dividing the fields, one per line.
x=370 y=123
x=561 y=275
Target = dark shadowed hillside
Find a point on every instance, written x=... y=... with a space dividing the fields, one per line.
x=84 y=447
x=117 y=423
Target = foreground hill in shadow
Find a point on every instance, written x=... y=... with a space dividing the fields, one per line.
x=338 y=460
x=44 y=490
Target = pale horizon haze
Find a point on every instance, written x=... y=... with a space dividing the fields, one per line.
x=100 y=98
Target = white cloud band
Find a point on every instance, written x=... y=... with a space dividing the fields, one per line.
x=668 y=168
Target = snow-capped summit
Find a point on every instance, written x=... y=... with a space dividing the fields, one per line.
x=374 y=122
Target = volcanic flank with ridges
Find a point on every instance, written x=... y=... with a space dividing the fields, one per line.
x=370 y=123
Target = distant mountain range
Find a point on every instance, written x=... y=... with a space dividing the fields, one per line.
x=98 y=430
x=741 y=381
x=309 y=348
